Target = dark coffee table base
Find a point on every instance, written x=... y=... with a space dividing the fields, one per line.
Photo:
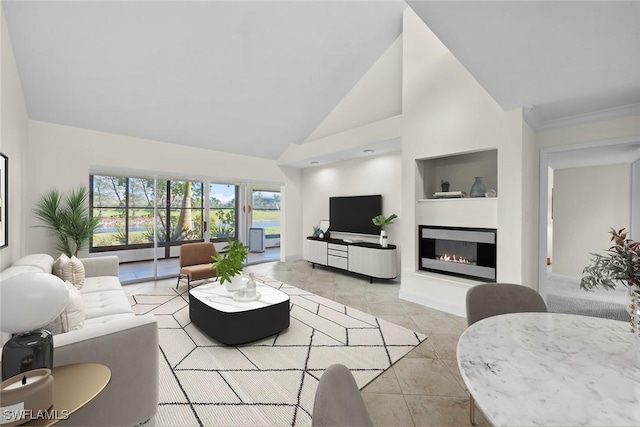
x=240 y=327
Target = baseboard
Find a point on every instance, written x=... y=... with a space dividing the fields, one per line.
x=433 y=303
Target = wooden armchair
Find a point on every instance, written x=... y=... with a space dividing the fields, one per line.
x=196 y=262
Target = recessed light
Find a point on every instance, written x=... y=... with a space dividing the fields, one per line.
x=314 y=163
x=368 y=151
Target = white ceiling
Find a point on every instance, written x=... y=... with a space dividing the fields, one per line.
x=254 y=77
x=563 y=58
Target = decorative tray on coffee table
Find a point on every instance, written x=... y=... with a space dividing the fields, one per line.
x=239 y=298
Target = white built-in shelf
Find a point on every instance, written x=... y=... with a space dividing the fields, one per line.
x=459 y=170
x=467 y=212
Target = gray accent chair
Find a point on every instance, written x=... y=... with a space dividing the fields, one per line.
x=338 y=401
x=491 y=299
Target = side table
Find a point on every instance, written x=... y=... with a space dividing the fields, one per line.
x=73 y=387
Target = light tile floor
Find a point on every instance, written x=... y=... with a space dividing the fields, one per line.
x=424 y=388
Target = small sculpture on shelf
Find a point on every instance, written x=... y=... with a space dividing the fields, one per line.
x=444 y=185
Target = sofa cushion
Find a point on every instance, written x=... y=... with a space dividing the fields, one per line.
x=43 y=261
x=73 y=271
x=98 y=304
x=59 y=263
x=73 y=316
x=100 y=284
x=103 y=320
x=14 y=271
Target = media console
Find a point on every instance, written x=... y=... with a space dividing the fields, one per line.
x=368 y=259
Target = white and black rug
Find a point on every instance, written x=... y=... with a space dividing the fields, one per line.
x=268 y=382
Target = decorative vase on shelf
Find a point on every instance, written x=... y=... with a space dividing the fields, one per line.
x=383 y=238
x=478 y=188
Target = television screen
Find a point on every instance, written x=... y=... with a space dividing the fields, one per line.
x=354 y=214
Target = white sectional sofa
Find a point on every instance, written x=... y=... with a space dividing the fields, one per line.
x=112 y=335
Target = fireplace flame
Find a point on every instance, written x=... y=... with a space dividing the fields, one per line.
x=453 y=258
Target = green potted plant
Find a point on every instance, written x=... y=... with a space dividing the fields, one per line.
x=619 y=264
x=67 y=217
x=383 y=222
x=229 y=264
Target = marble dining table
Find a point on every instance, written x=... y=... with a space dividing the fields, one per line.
x=551 y=369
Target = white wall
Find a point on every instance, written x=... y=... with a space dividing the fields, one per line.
x=598 y=131
x=635 y=201
x=373 y=175
x=447 y=112
x=376 y=96
x=587 y=202
x=64 y=157
x=14 y=134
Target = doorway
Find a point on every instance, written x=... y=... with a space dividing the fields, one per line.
x=585 y=189
x=263 y=223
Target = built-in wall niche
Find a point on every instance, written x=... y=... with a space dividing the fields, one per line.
x=459 y=170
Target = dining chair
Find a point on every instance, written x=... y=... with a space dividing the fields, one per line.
x=338 y=401
x=491 y=299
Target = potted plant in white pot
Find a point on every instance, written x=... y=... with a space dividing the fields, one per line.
x=229 y=264
x=383 y=222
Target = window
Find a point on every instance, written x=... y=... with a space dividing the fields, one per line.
x=223 y=212
x=266 y=212
x=185 y=210
x=109 y=201
x=125 y=206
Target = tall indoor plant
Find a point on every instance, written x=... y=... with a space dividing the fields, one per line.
x=229 y=264
x=619 y=264
x=383 y=222
x=68 y=218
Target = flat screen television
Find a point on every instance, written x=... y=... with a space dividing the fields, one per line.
x=353 y=214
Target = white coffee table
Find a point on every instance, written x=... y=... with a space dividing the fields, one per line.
x=213 y=309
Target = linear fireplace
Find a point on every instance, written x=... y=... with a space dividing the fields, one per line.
x=458 y=251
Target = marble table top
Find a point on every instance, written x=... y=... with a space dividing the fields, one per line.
x=216 y=296
x=528 y=369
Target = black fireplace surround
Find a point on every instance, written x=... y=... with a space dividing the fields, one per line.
x=458 y=251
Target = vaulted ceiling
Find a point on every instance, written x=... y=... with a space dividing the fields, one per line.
x=254 y=77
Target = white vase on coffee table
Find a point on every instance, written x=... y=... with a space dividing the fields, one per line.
x=235 y=284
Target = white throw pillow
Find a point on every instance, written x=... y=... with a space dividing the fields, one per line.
x=73 y=316
x=58 y=264
x=73 y=271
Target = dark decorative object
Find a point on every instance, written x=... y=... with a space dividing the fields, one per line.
x=478 y=188
x=444 y=185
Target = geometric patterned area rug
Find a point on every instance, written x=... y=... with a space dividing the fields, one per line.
x=268 y=382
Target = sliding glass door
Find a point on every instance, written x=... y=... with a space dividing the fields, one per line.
x=144 y=220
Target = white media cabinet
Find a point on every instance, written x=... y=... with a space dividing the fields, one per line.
x=368 y=259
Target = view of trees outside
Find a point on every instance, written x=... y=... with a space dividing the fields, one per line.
x=266 y=212
x=125 y=207
x=222 y=211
